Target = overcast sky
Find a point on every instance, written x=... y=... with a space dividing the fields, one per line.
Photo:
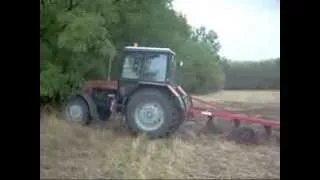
x=247 y=29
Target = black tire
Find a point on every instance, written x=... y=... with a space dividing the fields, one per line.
x=172 y=116
x=244 y=135
x=181 y=117
x=82 y=105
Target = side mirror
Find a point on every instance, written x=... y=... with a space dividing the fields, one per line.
x=181 y=63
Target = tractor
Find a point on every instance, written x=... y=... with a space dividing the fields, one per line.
x=146 y=94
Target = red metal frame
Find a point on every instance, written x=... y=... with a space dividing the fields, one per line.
x=215 y=111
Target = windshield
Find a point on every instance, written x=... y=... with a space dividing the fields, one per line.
x=172 y=71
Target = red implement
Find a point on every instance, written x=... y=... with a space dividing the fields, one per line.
x=213 y=110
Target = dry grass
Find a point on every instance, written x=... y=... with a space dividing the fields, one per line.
x=70 y=150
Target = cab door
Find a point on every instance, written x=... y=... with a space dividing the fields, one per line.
x=130 y=75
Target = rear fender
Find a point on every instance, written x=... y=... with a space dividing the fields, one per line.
x=185 y=97
x=91 y=104
x=165 y=87
x=178 y=98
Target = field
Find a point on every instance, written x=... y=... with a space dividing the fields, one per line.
x=107 y=150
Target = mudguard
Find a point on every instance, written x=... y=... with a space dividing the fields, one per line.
x=171 y=89
x=92 y=106
x=178 y=97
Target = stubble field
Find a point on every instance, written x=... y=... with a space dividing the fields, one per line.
x=108 y=150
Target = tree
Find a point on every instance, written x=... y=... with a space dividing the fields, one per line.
x=263 y=74
x=80 y=40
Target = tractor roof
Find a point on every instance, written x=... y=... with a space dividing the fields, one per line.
x=148 y=49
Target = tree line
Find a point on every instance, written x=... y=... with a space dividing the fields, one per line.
x=264 y=74
x=78 y=39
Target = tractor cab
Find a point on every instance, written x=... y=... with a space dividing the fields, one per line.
x=148 y=64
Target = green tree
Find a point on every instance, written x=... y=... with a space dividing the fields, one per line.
x=80 y=39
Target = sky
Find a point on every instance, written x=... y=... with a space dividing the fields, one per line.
x=248 y=30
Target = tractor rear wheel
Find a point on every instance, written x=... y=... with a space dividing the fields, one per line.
x=77 y=110
x=181 y=117
x=152 y=111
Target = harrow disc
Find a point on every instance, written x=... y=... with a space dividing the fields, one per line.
x=244 y=135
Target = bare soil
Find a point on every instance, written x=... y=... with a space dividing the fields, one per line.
x=108 y=150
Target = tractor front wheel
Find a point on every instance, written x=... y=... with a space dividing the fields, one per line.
x=77 y=110
x=152 y=111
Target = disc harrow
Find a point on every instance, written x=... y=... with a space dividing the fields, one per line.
x=212 y=110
